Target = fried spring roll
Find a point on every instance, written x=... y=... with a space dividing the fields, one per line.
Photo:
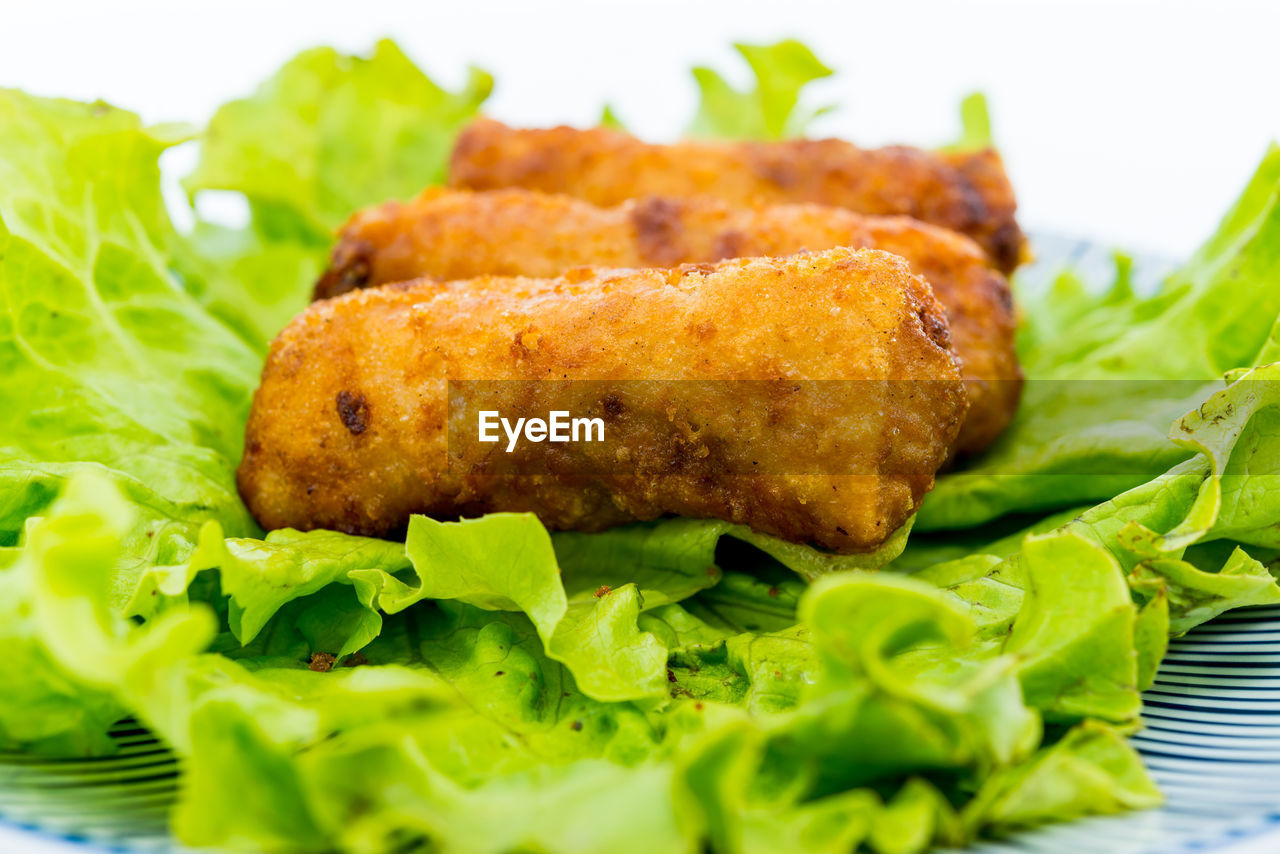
x=456 y=234
x=966 y=192
x=355 y=425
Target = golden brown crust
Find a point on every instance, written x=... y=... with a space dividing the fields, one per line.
x=966 y=192
x=980 y=310
x=459 y=234
x=350 y=427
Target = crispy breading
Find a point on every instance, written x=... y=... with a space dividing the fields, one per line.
x=459 y=234
x=964 y=191
x=351 y=427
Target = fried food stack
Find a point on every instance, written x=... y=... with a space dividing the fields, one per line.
x=793 y=336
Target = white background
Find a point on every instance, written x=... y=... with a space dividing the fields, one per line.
x=1133 y=123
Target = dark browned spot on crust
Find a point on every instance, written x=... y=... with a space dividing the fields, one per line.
x=520 y=343
x=971 y=208
x=703 y=330
x=1006 y=247
x=321 y=662
x=350 y=269
x=935 y=327
x=729 y=244
x=1003 y=293
x=775 y=166
x=612 y=405
x=657 y=224
x=353 y=409
x=683 y=456
x=406 y=285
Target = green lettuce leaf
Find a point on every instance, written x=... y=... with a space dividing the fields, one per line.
x=1101 y=395
x=259 y=577
x=771 y=110
x=279 y=727
x=1090 y=771
x=584 y=593
x=328 y=134
x=609 y=118
x=370 y=756
x=1075 y=633
x=255 y=283
x=69 y=655
x=902 y=686
x=454 y=711
x=975 y=125
x=507 y=562
x=108 y=364
x=1088 y=606
x=1188 y=596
